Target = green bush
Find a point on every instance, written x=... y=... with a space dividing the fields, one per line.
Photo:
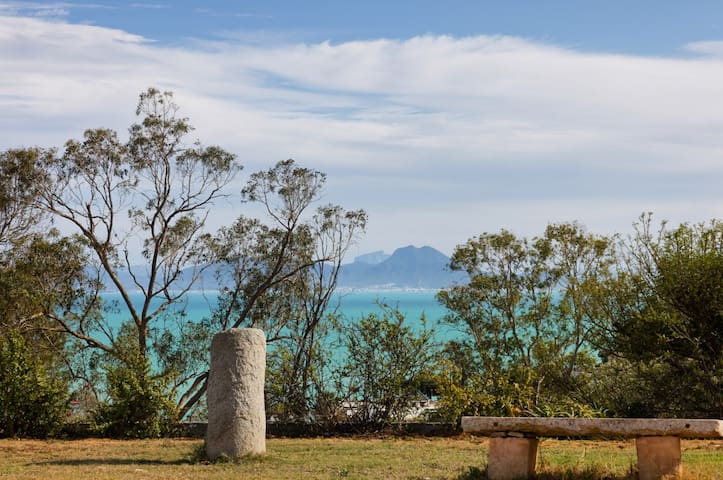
x=33 y=399
x=139 y=404
x=478 y=395
x=387 y=366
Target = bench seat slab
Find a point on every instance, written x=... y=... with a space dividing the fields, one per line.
x=591 y=427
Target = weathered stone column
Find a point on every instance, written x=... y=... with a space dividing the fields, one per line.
x=511 y=457
x=658 y=457
x=235 y=395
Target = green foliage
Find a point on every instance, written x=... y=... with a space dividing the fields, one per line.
x=531 y=312
x=43 y=286
x=297 y=381
x=21 y=177
x=478 y=395
x=673 y=327
x=139 y=404
x=33 y=396
x=385 y=368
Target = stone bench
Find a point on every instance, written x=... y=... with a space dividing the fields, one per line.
x=514 y=440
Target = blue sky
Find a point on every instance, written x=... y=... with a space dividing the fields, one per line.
x=441 y=119
x=640 y=27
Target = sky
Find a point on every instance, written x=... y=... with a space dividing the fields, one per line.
x=442 y=120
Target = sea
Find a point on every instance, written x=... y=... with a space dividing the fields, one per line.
x=353 y=304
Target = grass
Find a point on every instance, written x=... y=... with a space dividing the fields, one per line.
x=460 y=458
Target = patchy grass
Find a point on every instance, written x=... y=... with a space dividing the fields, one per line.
x=460 y=458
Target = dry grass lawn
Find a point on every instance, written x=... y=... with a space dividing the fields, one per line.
x=308 y=459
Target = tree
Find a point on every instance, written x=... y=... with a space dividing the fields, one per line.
x=530 y=314
x=670 y=323
x=166 y=189
x=140 y=406
x=280 y=274
x=150 y=194
x=42 y=279
x=300 y=360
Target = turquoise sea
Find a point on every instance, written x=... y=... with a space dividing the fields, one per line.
x=352 y=304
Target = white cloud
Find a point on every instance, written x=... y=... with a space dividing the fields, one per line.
x=438 y=137
x=713 y=48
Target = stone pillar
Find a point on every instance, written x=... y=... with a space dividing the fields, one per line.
x=235 y=395
x=511 y=457
x=658 y=457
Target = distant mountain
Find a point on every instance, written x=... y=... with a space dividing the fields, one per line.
x=208 y=280
x=407 y=267
x=373 y=258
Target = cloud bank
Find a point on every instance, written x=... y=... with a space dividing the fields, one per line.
x=439 y=138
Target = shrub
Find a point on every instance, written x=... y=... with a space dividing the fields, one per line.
x=386 y=366
x=139 y=404
x=33 y=399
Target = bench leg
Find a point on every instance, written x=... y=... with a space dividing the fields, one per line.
x=511 y=458
x=658 y=457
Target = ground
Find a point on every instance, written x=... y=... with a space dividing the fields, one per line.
x=457 y=458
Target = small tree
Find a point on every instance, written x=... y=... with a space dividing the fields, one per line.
x=385 y=367
x=42 y=276
x=139 y=405
x=301 y=357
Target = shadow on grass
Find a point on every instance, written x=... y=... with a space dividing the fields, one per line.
x=194 y=457
x=114 y=461
x=584 y=473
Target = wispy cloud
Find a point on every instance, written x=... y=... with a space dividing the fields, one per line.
x=438 y=137
x=46 y=10
x=49 y=10
x=152 y=6
x=712 y=48
x=208 y=12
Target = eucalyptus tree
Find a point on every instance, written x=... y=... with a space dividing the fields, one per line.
x=150 y=194
x=530 y=316
x=299 y=383
x=279 y=273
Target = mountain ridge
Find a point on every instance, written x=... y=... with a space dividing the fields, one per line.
x=407 y=267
